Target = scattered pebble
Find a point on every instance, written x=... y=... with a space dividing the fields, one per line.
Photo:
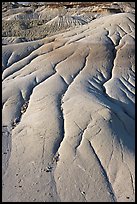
x=19 y=180
x=4 y=152
x=34 y=199
x=48 y=169
x=56 y=158
x=83 y=192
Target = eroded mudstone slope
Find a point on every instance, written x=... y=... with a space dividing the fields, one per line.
x=68 y=101
x=36 y=20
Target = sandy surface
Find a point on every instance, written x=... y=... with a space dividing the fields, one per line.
x=68 y=115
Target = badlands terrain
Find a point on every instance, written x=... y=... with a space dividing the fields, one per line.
x=68 y=96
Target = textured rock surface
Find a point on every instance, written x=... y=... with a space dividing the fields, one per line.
x=40 y=19
x=68 y=115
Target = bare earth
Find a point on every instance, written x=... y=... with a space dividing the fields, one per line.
x=68 y=115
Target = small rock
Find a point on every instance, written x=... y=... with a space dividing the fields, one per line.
x=4 y=152
x=48 y=169
x=56 y=158
x=19 y=180
x=34 y=199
